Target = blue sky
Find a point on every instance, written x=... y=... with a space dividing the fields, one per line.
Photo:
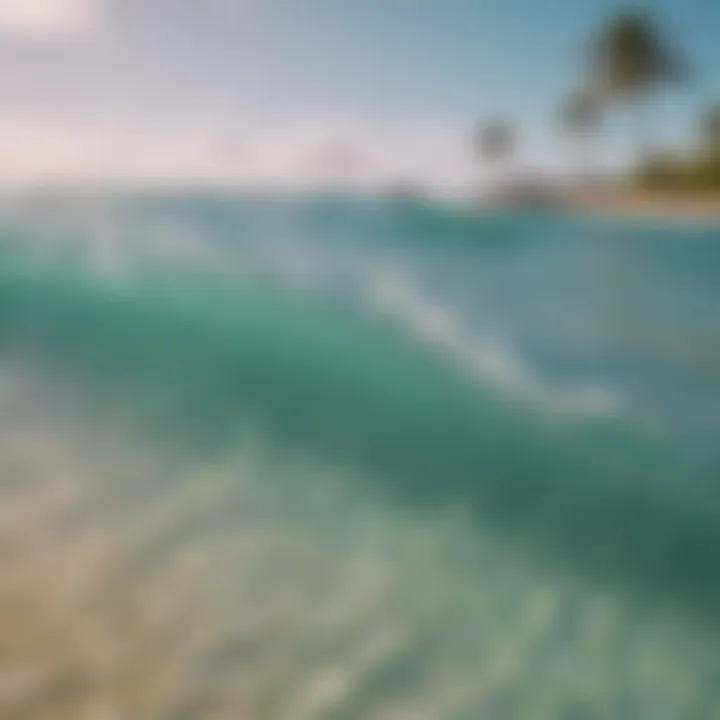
x=183 y=87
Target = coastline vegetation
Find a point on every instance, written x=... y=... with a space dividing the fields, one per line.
x=628 y=61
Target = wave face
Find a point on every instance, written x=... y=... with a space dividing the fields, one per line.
x=330 y=457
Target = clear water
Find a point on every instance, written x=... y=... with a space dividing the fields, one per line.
x=335 y=458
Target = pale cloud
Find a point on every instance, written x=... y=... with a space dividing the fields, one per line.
x=291 y=154
x=50 y=18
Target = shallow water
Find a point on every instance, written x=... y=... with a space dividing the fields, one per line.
x=326 y=457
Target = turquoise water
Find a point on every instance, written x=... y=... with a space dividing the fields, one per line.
x=331 y=457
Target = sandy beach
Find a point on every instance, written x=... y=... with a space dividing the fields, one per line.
x=638 y=203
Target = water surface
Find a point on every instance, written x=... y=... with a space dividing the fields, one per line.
x=329 y=457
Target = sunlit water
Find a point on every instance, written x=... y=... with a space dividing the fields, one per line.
x=331 y=458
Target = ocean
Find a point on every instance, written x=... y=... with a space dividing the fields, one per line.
x=332 y=457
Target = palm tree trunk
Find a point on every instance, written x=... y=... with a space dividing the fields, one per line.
x=641 y=140
x=587 y=157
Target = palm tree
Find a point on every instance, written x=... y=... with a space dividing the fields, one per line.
x=579 y=118
x=709 y=150
x=710 y=131
x=494 y=142
x=628 y=59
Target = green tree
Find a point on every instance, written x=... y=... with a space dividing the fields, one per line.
x=708 y=163
x=629 y=58
x=579 y=119
x=495 y=143
x=710 y=132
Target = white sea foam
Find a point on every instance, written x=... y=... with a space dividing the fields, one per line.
x=392 y=292
x=111 y=240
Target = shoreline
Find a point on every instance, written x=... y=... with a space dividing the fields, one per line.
x=610 y=200
x=631 y=203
